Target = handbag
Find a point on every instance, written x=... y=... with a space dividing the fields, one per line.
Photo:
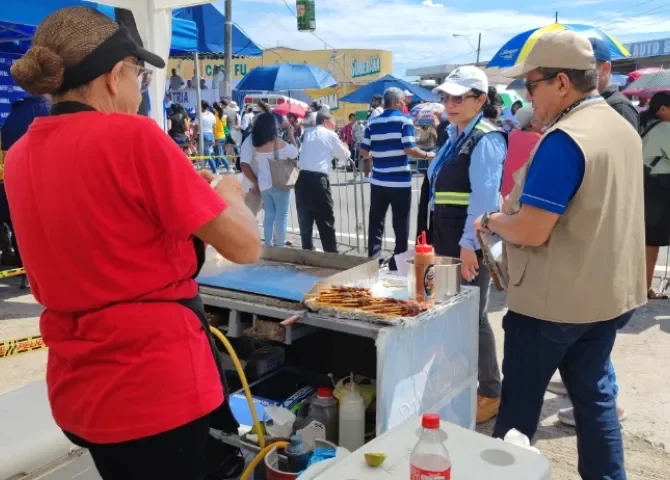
x=253 y=200
x=284 y=173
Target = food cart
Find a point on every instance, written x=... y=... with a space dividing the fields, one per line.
x=425 y=363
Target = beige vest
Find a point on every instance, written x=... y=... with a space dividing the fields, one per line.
x=592 y=268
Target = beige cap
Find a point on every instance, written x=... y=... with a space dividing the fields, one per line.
x=562 y=49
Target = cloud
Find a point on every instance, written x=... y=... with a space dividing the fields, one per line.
x=429 y=3
x=419 y=36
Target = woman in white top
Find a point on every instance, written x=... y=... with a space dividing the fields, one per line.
x=255 y=163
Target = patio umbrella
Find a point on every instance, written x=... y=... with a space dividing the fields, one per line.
x=424 y=113
x=286 y=108
x=642 y=72
x=378 y=87
x=517 y=49
x=647 y=85
x=286 y=76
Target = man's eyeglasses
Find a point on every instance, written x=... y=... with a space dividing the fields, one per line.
x=530 y=86
x=144 y=75
x=456 y=99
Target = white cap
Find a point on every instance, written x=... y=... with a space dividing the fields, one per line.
x=407 y=93
x=464 y=79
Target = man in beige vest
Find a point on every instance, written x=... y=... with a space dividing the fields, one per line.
x=574 y=245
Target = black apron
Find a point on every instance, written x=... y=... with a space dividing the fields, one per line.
x=222 y=418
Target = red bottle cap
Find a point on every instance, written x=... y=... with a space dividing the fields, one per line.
x=324 y=392
x=430 y=421
x=422 y=246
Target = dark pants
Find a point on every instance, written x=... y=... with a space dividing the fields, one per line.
x=487 y=362
x=400 y=201
x=175 y=455
x=6 y=218
x=534 y=349
x=314 y=203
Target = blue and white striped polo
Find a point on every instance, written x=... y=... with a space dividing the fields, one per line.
x=386 y=138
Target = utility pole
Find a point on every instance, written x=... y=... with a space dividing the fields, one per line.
x=228 y=46
x=556 y=18
x=479 y=43
x=479 y=47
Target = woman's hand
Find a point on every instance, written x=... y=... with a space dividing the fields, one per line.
x=229 y=188
x=470 y=267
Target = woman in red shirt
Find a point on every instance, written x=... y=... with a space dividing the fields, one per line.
x=107 y=212
x=521 y=143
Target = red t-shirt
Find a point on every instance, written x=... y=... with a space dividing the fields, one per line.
x=520 y=146
x=104 y=208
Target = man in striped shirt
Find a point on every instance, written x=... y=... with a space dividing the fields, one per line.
x=388 y=140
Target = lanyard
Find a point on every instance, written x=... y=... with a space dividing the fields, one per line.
x=448 y=154
x=570 y=109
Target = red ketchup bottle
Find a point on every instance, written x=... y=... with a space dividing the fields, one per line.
x=430 y=458
x=424 y=259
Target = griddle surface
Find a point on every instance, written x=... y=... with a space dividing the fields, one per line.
x=272 y=279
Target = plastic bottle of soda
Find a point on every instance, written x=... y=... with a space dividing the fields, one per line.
x=430 y=458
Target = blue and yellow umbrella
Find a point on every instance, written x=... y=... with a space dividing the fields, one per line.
x=517 y=49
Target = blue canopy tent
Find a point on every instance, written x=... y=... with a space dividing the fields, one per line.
x=378 y=87
x=209 y=21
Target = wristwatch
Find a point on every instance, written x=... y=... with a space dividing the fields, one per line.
x=485 y=220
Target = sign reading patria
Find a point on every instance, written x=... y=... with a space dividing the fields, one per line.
x=371 y=66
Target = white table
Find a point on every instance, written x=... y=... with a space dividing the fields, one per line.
x=473 y=456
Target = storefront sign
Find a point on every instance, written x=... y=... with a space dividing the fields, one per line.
x=371 y=66
x=239 y=69
x=652 y=48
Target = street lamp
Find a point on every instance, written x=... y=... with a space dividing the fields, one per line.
x=479 y=43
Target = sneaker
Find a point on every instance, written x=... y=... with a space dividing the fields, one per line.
x=557 y=387
x=487 y=408
x=567 y=415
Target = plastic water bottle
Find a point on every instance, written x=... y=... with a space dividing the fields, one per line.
x=430 y=458
x=352 y=420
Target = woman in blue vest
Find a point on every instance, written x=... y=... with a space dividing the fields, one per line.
x=464 y=182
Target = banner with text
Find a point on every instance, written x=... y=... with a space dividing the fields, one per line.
x=9 y=91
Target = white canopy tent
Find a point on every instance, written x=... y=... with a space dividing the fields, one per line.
x=154 y=23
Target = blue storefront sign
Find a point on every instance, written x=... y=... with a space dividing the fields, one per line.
x=9 y=91
x=651 y=48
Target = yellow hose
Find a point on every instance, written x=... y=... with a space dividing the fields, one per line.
x=261 y=455
x=245 y=385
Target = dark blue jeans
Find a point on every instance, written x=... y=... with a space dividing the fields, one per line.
x=534 y=349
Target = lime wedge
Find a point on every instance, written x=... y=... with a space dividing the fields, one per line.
x=375 y=459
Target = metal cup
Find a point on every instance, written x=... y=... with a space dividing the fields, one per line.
x=444 y=274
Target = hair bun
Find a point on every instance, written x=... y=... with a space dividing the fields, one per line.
x=40 y=71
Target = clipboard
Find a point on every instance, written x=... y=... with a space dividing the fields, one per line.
x=492 y=251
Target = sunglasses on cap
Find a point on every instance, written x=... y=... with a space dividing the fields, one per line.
x=456 y=99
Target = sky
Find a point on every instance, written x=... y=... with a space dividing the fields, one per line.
x=432 y=32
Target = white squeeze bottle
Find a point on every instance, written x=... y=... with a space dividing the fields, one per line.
x=352 y=419
x=430 y=458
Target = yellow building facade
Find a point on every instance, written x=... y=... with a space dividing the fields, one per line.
x=352 y=68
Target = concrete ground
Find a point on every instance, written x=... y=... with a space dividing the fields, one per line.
x=639 y=356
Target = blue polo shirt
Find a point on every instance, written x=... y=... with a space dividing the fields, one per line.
x=555 y=175
x=386 y=138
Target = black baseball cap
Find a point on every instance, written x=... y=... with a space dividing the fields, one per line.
x=377 y=97
x=101 y=60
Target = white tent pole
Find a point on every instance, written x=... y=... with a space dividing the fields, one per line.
x=198 y=107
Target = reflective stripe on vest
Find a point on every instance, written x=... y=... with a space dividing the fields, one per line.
x=452 y=198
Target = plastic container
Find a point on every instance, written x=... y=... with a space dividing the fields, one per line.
x=424 y=258
x=324 y=409
x=298 y=454
x=430 y=459
x=352 y=420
